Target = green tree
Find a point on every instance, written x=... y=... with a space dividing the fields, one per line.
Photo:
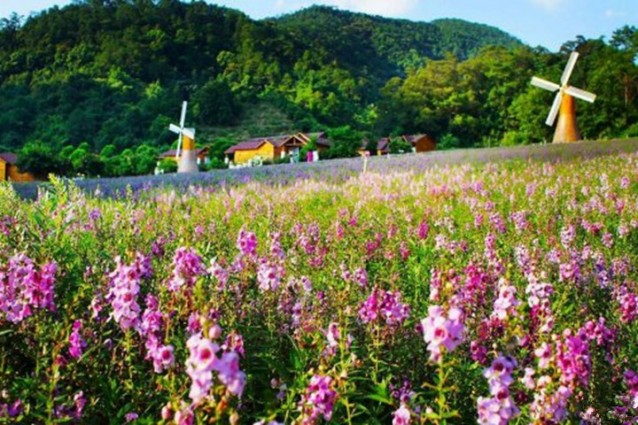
x=346 y=142
x=40 y=160
x=215 y=104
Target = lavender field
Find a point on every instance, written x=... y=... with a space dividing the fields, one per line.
x=489 y=286
x=336 y=171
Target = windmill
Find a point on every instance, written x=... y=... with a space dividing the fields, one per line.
x=187 y=161
x=566 y=129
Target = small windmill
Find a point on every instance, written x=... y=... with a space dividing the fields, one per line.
x=186 y=159
x=566 y=129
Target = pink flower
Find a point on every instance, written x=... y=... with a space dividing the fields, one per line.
x=268 y=276
x=442 y=332
x=163 y=358
x=202 y=353
x=229 y=374
x=401 y=416
x=184 y=416
x=199 y=366
x=528 y=379
x=124 y=288
x=544 y=355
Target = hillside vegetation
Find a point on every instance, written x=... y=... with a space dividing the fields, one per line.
x=91 y=88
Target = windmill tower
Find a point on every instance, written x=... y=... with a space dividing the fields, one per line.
x=187 y=161
x=566 y=129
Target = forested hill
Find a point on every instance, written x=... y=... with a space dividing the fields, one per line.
x=94 y=85
x=386 y=47
x=113 y=71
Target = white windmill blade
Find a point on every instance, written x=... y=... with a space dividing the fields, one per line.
x=179 y=146
x=182 y=119
x=175 y=129
x=581 y=94
x=567 y=73
x=555 y=108
x=544 y=84
x=189 y=132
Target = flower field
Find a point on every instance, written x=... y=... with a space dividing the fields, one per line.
x=491 y=293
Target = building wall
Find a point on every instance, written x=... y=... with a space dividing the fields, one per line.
x=265 y=151
x=3 y=170
x=15 y=175
x=425 y=144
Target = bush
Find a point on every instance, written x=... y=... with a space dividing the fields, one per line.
x=448 y=141
x=167 y=166
x=399 y=145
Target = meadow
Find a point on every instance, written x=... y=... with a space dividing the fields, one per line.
x=494 y=291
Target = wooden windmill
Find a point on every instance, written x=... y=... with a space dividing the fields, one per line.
x=566 y=129
x=186 y=155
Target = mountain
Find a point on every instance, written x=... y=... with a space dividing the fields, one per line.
x=386 y=47
x=112 y=71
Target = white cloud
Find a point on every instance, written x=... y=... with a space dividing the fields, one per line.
x=375 y=7
x=611 y=14
x=548 y=5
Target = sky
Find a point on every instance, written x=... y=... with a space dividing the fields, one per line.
x=547 y=23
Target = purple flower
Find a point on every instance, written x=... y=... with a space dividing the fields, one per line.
x=79 y=401
x=76 y=342
x=25 y=288
x=219 y=273
x=505 y=304
x=572 y=359
x=131 y=416
x=361 y=277
x=187 y=266
x=386 y=306
x=247 y=244
x=124 y=288
x=318 y=400
x=499 y=408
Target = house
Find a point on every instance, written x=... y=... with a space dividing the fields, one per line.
x=202 y=155
x=9 y=169
x=271 y=148
x=419 y=143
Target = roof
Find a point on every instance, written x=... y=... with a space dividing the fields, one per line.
x=383 y=144
x=173 y=152
x=248 y=145
x=277 y=141
x=9 y=158
x=414 y=138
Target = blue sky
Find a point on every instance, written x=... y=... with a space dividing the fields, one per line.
x=547 y=23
